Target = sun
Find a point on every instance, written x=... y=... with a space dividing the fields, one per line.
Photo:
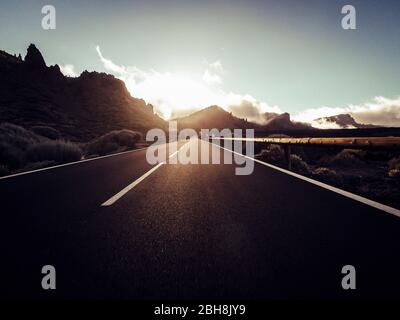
x=173 y=94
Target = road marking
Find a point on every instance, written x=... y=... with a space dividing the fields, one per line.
x=128 y=188
x=120 y=194
x=69 y=164
x=347 y=194
x=72 y=163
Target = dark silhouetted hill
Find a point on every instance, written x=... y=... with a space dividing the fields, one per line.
x=216 y=117
x=33 y=94
x=213 y=117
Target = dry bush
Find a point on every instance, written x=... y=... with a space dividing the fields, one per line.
x=14 y=141
x=327 y=175
x=298 y=165
x=59 y=151
x=274 y=154
x=114 y=141
x=47 y=132
x=345 y=158
x=17 y=136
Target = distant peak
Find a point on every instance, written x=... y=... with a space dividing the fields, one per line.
x=214 y=108
x=34 y=57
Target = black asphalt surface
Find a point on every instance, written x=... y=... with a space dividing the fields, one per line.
x=190 y=232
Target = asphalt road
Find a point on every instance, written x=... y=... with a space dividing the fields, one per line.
x=190 y=232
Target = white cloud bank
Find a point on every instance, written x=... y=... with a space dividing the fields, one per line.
x=174 y=95
x=381 y=111
x=213 y=74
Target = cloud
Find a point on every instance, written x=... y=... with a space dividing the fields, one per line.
x=211 y=78
x=245 y=106
x=324 y=124
x=109 y=65
x=68 y=70
x=381 y=111
x=175 y=95
x=213 y=74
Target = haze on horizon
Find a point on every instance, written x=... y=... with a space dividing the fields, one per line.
x=249 y=57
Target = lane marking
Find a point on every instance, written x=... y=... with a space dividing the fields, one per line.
x=72 y=163
x=347 y=194
x=124 y=191
x=69 y=164
x=128 y=188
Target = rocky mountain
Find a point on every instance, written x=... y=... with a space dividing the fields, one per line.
x=213 y=117
x=345 y=121
x=216 y=117
x=81 y=108
x=275 y=122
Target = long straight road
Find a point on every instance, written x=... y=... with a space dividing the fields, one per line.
x=190 y=231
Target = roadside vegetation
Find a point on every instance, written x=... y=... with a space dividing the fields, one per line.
x=372 y=174
x=22 y=149
x=113 y=142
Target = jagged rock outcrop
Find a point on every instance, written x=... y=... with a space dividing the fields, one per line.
x=276 y=122
x=34 y=58
x=80 y=108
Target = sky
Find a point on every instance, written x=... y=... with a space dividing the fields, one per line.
x=249 y=56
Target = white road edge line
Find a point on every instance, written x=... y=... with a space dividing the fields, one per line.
x=347 y=194
x=128 y=188
x=69 y=164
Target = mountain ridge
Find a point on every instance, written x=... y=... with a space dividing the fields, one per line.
x=218 y=118
x=95 y=103
x=82 y=108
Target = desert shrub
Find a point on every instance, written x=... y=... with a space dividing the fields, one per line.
x=113 y=141
x=322 y=171
x=345 y=158
x=274 y=153
x=59 y=151
x=11 y=156
x=394 y=167
x=17 y=136
x=14 y=141
x=3 y=170
x=327 y=175
x=298 y=165
x=300 y=151
x=47 y=132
